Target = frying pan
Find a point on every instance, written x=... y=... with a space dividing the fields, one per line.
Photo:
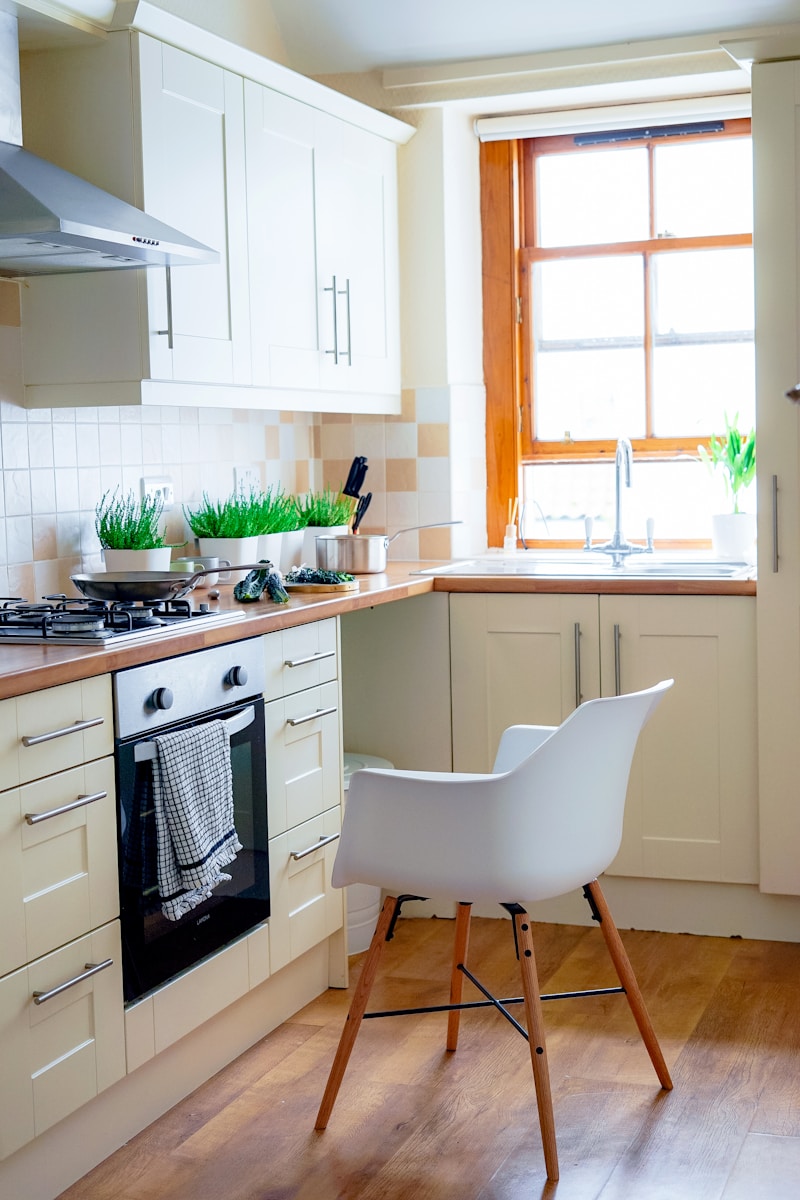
x=131 y=586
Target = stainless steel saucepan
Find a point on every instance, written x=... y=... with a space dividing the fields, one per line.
x=361 y=553
x=132 y=586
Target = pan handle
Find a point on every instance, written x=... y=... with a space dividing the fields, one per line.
x=411 y=528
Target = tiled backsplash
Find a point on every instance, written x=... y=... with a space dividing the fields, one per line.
x=425 y=465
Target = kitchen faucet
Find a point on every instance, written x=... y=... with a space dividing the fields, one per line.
x=618 y=547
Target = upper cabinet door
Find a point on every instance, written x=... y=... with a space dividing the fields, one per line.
x=322 y=224
x=193 y=178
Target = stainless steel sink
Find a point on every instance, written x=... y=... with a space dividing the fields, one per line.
x=596 y=566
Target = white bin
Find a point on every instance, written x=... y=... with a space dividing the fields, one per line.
x=363 y=900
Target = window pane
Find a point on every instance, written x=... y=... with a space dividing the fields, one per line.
x=593 y=196
x=704 y=188
x=589 y=394
x=695 y=386
x=704 y=291
x=680 y=496
x=592 y=298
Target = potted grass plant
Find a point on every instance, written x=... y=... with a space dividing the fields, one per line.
x=324 y=512
x=279 y=515
x=129 y=531
x=227 y=529
x=734 y=456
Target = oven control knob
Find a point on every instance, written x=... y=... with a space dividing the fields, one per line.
x=162 y=697
x=236 y=677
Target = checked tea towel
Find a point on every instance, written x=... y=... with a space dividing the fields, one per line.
x=193 y=801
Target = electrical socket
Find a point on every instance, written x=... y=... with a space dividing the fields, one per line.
x=159 y=487
x=246 y=479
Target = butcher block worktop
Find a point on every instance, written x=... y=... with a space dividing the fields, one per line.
x=29 y=668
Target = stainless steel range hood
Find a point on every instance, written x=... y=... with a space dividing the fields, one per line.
x=52 y=222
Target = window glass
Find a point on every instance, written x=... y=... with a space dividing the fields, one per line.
x=592 y=197
x=704 y=187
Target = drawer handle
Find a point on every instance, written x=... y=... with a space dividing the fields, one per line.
x=320 y=712
x=81 y=802
x=91 y=969
x=57 y=733
x=323 y=841
x=301 y=662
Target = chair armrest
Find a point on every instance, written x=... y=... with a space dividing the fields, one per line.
x=517 y=743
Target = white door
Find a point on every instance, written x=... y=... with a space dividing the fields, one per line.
x=517 y=660
x=691 y=810
x=192 y=135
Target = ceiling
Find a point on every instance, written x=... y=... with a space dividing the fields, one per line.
x=331 y=36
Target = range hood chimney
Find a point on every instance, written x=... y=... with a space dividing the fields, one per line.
x=52 y=222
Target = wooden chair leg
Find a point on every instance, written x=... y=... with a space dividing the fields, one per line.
x=627 y=978
x=536 y=1042
x=358 y=1007
x=460 y=947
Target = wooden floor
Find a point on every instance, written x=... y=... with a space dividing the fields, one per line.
x=415 y=1123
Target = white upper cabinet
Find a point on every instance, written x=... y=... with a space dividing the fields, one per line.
x=291 y=197
x=322 y=232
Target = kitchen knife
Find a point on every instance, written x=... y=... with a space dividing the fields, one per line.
x=361 y=508
x=355 y=478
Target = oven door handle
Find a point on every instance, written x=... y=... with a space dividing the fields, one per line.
x=146 y=751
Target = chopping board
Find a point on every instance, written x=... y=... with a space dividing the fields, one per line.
x=348 y=585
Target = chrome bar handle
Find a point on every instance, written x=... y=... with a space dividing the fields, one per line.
x=577 y=634
x=775 y=524
x=80 y=802
x=320 y=712
x=37 y=739
x=169 y=332
x=310 y=658
x=335 y=350
x=323 y=841
x=346 y=294
x=617 y=663
x=90 y=969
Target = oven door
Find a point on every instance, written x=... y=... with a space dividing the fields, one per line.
x=155 y=949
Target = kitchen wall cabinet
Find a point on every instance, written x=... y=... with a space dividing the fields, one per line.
x=58 y=887
x=322 y=232
x=776 y=239
x=692 y=802
x=305 y=197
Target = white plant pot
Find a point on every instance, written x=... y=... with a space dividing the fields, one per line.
x=310 y=535
x=291 y=549
x=270 y=546
x=230 y=550
x=733 y=536
x=155 y=559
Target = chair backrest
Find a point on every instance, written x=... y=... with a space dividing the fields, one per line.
x=550 y=824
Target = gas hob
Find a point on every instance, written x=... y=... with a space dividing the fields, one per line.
x=56 y=620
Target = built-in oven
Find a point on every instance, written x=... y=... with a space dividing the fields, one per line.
x=221 y=683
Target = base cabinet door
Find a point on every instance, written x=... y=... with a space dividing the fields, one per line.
x=692 y=807
x=59 y=1053
x=305 y=908
x=517 y=660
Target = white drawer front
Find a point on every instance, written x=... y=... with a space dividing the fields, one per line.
x=301 y=657
x=59 y=1054
x=79 y=714
x=304 y=769
x=305 y=908
x=58 y=873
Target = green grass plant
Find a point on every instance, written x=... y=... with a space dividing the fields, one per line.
x=278 y=511
x=238 y=515
x=123 y=522
x=325 y=508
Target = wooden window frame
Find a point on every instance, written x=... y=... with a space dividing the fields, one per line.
x=508 y=223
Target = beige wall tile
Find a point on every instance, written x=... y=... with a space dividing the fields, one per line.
x=434 y=543
x=401 y=475
x=9 y=303
x=433 y=441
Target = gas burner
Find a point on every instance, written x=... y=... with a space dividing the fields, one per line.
x=75 y=622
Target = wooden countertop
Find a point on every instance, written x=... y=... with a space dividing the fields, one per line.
x=30 y=668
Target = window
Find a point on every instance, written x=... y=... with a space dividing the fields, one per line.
x=635 y=285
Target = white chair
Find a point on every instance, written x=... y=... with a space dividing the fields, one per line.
x=547 y=820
